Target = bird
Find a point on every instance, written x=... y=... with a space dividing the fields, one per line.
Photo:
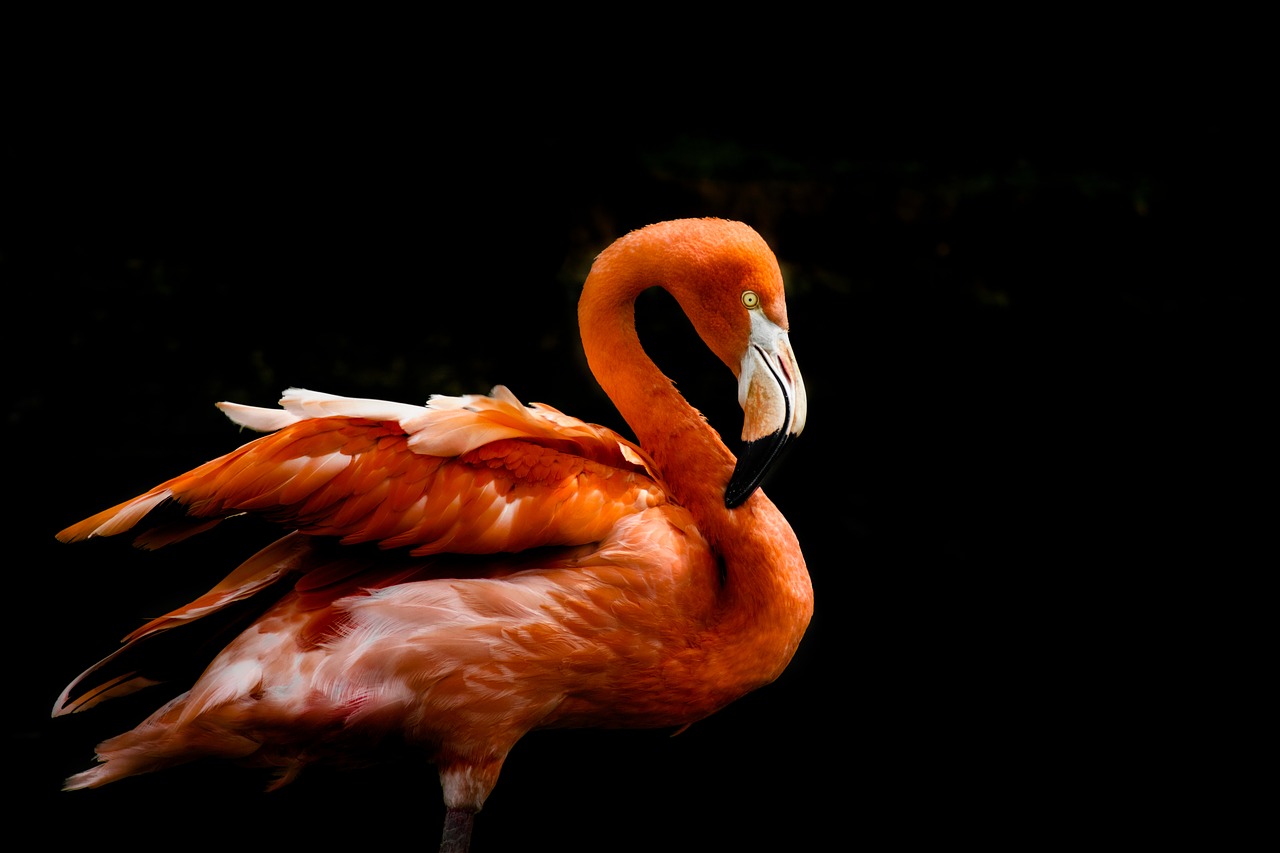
x=448 y=577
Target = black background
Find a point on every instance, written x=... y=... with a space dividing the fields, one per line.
x=1026 y=343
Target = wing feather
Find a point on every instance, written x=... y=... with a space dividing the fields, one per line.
x=469 y=474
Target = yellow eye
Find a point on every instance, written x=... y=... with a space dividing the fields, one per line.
x=750 y=299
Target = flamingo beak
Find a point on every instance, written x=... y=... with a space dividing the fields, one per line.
x=771 y=393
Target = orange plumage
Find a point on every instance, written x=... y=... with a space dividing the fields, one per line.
x=463 y=572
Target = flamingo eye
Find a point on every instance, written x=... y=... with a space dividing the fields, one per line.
x=750 y=299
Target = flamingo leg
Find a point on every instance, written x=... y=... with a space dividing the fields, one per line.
x=457 y=830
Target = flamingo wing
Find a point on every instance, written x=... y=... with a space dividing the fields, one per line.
x=473 y=474
x=466 y=475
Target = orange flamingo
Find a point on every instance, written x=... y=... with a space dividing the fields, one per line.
x=463 y=572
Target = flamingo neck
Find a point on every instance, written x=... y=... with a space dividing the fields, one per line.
x=693 y=461
x=767 y=594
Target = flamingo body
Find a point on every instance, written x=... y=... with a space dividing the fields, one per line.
x=458 y=574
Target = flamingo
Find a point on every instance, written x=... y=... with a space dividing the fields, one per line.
x=458 y=574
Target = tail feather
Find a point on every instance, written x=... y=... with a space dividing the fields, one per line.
x=157 y=744
x=145 y=659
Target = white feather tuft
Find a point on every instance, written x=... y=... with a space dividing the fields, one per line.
x=299 y=404
x=257 y=418
x=316 y=404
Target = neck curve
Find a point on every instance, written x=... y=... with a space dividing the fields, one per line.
x=694 y=462
x=767 y=597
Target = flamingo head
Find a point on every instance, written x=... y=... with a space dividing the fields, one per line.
x=731 y=288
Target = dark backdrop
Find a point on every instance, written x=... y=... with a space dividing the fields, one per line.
x=1016 y=347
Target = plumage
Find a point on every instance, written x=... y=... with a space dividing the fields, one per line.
x=457 y=574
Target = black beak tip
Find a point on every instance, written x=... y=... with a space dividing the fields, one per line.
x=755 y=462
x=734 y=497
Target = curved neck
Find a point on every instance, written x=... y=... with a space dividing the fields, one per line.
x=694 y=462
x=767 y=596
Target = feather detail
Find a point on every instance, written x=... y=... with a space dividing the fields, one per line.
x=471 y=474
x=119 y=678
x=257 y=418
x=117 y=519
